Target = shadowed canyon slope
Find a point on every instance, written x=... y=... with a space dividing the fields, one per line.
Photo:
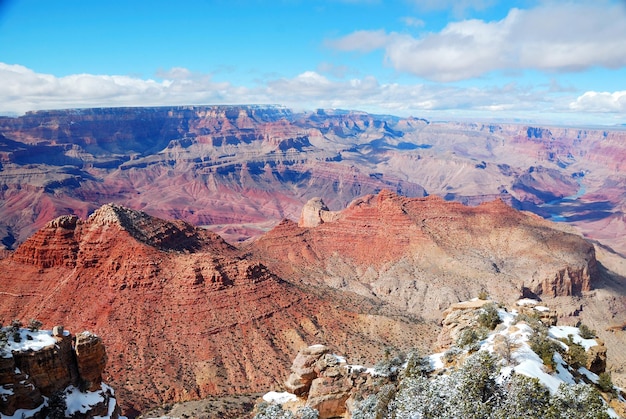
x=241 y=169
x=423 y=254
x=182 y=313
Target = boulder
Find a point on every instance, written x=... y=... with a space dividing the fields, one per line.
x=91 y=359
x=328 y=395
x=303 y=369
x=596 y=357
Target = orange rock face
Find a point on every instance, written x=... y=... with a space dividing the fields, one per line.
x=422 y=254
x=182 y=313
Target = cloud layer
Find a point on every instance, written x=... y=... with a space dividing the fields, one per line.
x=23 y=90
x=554 y=38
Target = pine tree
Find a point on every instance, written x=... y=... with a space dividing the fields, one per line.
x=525 y=398
x=576 y=401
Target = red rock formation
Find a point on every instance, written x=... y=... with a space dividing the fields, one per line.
x=423 y=254
x=28 y=375
x=91 y=359
x=183 y=313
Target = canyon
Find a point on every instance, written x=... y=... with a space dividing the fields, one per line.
x=242 y=169
x=185 y=315
x=207 y=245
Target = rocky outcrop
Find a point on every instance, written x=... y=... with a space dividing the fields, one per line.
x=32 y=378
x=596 y=357
x=91 y=358
x=318 y=377
x=457 y=318
x=303 y=369
x=151 y=282
x=400 y=249
x=50 y=369
x=315 y=212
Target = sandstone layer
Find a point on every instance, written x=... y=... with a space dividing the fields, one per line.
x=242 y=168
x=184 y=314
x=423 y=254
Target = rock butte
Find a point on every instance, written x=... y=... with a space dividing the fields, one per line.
x=423 y=254
x=183 y=313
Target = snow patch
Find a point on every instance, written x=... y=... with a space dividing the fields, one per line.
x=6 y=391
x=23 y=413
x=279 y=398
x=81 y=402
x=562 y=332
x=527 y=302
x=436 y=361
x=27 y=341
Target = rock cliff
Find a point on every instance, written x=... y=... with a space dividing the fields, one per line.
x=243 y=168
x=54 y=374
x=423 y=254
x=185 y=315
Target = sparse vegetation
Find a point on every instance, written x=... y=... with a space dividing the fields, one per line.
x=416 y=365
x=543 y=346
x=472 y=391
x=489 y=317
x=16 y=325
x=470 y=338
x=586 y=332
x=575 y=355
x=605 y=383
x=34 y=325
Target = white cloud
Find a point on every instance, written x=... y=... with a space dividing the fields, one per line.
x=362 y=41
x=458 y=7
x=23 y=90
x=413 y=21
x=604 y=102
x=551 y=37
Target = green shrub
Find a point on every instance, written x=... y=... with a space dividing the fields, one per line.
x=545 y=347
x=576 y=355
x=605 y=383
x=451 y=354
x=489 y=317
x=416 y=365
x=470 y=338
x=586 y=332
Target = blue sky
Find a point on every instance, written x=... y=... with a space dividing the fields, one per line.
x=535 y=60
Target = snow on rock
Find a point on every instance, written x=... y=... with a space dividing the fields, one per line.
x=562 y=332
x=527 y=302
x=27 y=341
x=279 y=397
x=78 y=401
x=589 y=375
x=23 y=413
x=436 y=361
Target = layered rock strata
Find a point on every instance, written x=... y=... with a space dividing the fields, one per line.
x=185 y=314
x=423 y=254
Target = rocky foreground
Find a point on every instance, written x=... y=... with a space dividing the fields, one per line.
x=494 y=362
x=53 y=374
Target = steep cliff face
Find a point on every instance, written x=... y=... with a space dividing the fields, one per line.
x=52 y=374
x=243 y=168
x=423 y=254
x=184 y=314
